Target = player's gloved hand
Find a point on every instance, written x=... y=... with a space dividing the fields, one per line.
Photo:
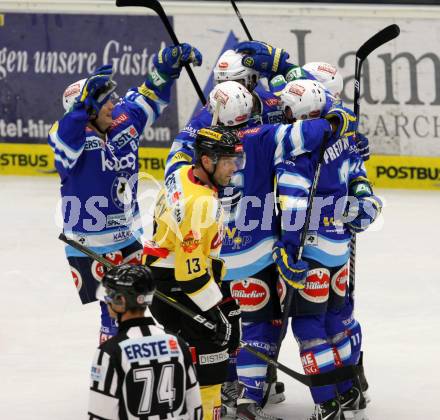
x=231 y=309
x=363 y=146
x=294 y=274
x=264 y=58
x=343 y=120
x=223 y=333
x=363 y=207
x=363 y=213
x=170 y=60
x=97 y=90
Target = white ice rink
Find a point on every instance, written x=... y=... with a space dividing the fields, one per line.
x=47 y=339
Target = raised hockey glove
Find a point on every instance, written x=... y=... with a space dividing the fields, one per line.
x=363 y=146
x=170 y=60
x=232 y=311
x=264 y=58
x=294 y=274
x=343 y=120
x=97 y=90
x=223 y=333
x=363 y=207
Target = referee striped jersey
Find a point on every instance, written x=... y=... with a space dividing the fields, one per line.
x=143 y=373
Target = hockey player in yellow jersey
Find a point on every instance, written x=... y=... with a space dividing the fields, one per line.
x=184 y=257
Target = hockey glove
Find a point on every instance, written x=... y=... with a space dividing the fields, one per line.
x=365 y=208
x=294 y=274
x=223 y=333
x=262 y=57
x=232 y=311
x=170 y=60
x=363 y=146
x=97 y=90
x=343 y=121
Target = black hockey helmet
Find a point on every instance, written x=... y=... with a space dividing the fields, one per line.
x=217 y=141
x=134 y=282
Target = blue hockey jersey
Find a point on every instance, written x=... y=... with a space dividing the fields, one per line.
x=99 y=177
x=327 y=239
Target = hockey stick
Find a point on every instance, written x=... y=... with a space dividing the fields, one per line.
x=157 y=7
x=316 y=380
x=240 y=18
x=382 y=37
x=290 y=291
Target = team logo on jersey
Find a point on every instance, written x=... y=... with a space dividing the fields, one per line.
x=317 y=285
x=339 y=281
x=252 y=294
x=123 y=191
x=189 y=243
x=77 y=279
x=309 y=363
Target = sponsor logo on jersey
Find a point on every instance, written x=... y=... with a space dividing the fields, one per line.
x=125 y=162
x=253 y=130
x=216 y=241
x=116 y=220
x=213 y=358
x=173 y=346
x=339 y=281
x=119 y=120
x=95 y=373
x=77 y=279
x=125 y=136
x=93 y=143
x=252 y=294
x=173 y=187
x=193 y=352
x=189 y=243
x=309 y=363
x=97 y=268
x=144 y=348
x=275 y=117
x=317 y=285
x=121 y=235
x=272 y=102
x=281 y=290
x=296 y=90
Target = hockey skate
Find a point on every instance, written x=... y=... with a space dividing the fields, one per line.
x=249 y=410
x=276 y=394
x=352 y=405
x=329 y=410
x=229 y=400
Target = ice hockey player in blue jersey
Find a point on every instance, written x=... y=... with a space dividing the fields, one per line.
x=344 y=202
x=96 y=146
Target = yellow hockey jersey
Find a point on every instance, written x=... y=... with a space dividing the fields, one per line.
x=187 y=236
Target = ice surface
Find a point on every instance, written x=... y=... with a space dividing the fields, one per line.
x=47 y=338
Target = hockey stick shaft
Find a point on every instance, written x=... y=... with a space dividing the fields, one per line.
x=157 y=7
x=382 y=37
x=240 y=18
x=342 y=374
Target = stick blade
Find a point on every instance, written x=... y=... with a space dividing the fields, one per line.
x=150 y=4
x=382 y=37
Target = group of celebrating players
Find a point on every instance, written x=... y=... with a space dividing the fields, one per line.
x=226 y=241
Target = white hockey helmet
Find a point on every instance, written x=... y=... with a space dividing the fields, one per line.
x=229 y=67
x=328 y=75
x=305 y=98
x=235 y=100
x=71 y=93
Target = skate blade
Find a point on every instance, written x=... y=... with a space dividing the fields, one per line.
x=355 y=415
x=276 y=398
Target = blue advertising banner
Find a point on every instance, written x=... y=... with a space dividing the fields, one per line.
x=41 y=54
